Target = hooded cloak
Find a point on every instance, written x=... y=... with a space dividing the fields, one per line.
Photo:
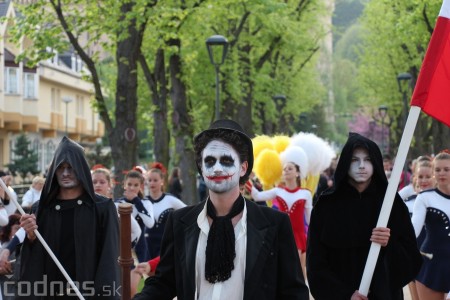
x=95 y=232
x=339 y=235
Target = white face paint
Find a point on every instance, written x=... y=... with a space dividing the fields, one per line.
x=221 y=167
x=361 y=168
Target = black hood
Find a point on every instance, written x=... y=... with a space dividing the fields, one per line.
x=356 y=140
x=72 y=153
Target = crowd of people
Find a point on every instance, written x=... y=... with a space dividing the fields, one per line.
x=72 y=208
x=299 y=242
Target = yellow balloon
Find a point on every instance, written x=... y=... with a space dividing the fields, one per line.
x=281 y=142
x=268 y=168
x=260 y=143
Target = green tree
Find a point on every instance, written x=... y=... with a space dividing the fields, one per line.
x=395 y=38
x=24 y=159
x=114 y=26
x=98 y=157
x=273 y=48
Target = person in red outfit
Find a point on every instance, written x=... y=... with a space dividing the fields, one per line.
x=291 y=197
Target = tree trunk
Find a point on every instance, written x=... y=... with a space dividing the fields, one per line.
x=244 y=109
x=123 y=138
x=157 y=83
x=182 y=130
x=160 y=128
x=440 y=136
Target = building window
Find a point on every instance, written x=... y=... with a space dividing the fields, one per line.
x=79 y=64
x=49 y=152
x=30 y=86
x=80 y=106
x=11 y=80
x=55 y=58
x=55 y=100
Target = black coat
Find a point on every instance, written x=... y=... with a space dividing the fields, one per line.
x=272 y=268
x=339 y=236
x=96 y=233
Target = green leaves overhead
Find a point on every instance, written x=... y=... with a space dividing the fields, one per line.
x=396 y=35
x=273 y=44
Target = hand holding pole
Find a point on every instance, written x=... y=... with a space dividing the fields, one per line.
x=12 y=197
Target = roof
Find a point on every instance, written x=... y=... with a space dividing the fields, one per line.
x=4 y=7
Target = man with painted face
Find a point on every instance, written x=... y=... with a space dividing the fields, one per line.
x=342 y=228
x=80 y=227
x=226 y=247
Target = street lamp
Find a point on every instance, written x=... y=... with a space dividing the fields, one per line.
x=404 y=82
x=401 y=79
x=303 y=118
x=280 y=103
x=67 y=100
x=382 y=110
x=217 y=45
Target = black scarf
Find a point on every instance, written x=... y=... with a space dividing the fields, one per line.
x=220 y=249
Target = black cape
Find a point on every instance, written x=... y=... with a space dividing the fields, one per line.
x=340 y=230
x=96 y=234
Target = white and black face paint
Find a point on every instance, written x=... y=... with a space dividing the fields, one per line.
x=221 y=167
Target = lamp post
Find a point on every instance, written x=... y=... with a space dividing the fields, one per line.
x=401 y=79
x=404 y=82
x=303 y=118
x=67 y=100
x=280 y=103
x=382 y=110
x=217 y=45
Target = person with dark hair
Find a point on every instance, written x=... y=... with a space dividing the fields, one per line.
x=291 y=197
x=343 y=225
x=175 y=187
x=7 y=281
x=133 y=185
x=8 y=231
x=226 y=247
x=6 y=202
x=81 y=228
x=163 y=204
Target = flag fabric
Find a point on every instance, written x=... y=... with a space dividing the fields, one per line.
x=432 y=91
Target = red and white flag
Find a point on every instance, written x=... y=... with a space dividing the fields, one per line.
x=432 y=91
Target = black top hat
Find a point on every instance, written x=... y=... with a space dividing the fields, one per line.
x=231 y=126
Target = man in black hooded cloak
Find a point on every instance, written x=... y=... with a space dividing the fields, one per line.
x=81 y=228
x=343 y=226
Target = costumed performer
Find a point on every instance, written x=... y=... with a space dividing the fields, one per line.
x=432 y=209
x=343 y=226
x=291 y=197
x=81 y=227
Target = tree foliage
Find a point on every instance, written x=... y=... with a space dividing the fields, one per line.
x=396 y=35
x=273 y=50
x=25 y=159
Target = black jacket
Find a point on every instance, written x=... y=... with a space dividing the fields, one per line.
x=340 y=230
x=96 y=233
x=272 y=268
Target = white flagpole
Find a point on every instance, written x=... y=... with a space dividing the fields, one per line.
x=12 y=197
x=386 y=208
